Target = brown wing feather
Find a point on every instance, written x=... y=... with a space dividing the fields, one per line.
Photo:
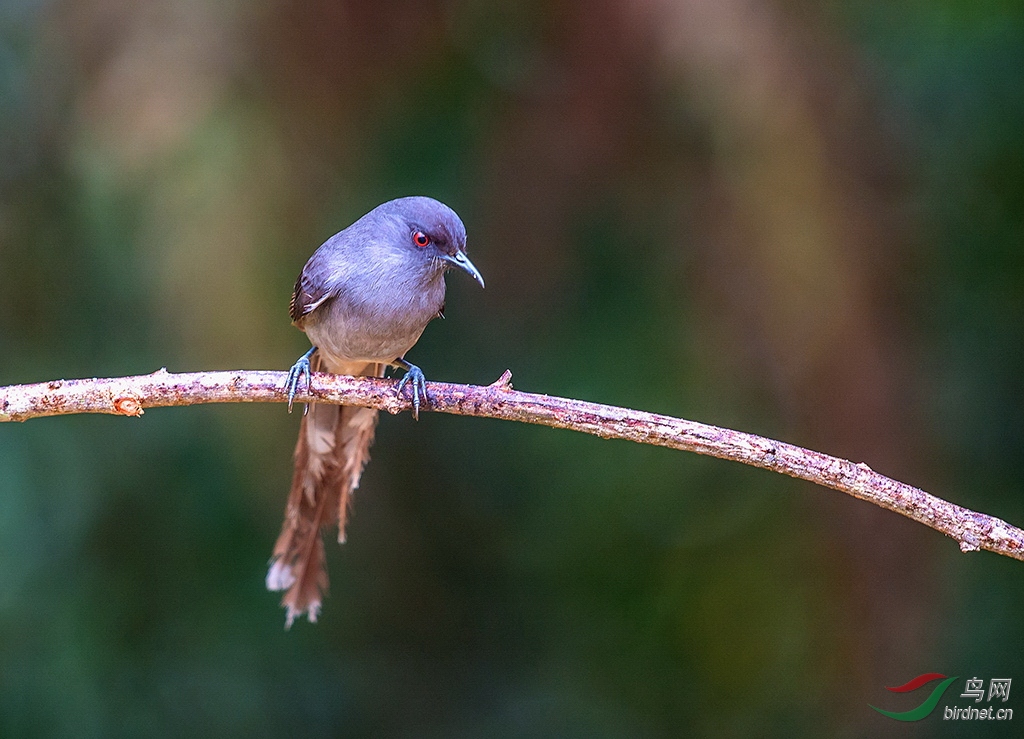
x=307 y=296
x=297 y=301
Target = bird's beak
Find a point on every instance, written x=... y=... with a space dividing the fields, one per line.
x=460 y=260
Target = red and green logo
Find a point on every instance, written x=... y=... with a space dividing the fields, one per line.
x=916 y=714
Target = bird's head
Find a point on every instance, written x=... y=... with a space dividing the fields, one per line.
x=433 y=231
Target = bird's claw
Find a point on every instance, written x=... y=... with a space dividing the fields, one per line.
x=300 y=368
x=415 y=376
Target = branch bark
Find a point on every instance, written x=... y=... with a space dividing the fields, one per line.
x=128 y=396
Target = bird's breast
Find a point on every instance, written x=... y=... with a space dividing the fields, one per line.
x=379 y=326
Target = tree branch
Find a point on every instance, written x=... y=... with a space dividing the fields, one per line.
x=128 y=396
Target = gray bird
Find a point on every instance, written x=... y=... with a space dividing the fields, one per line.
x=363 y=298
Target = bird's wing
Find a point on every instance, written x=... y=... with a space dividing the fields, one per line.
x=311 y=290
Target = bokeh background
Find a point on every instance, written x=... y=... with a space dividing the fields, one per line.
x=799 y=219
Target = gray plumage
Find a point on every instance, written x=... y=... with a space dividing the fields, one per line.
x=363 y=298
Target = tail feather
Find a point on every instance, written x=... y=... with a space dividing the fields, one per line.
x=355 y=435
x=332 y=449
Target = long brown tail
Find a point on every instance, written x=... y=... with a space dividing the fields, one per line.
x=333 y=447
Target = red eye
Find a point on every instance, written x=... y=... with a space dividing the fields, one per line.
x=420 y=239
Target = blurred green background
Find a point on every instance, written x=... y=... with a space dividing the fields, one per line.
x=798 y=219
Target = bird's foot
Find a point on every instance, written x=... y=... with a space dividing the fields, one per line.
x=300 y=368
x=413 y=375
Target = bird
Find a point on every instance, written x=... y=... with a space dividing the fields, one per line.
x=363 y=299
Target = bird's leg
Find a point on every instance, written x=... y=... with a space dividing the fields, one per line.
x=300 y=368
x=414 y=375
